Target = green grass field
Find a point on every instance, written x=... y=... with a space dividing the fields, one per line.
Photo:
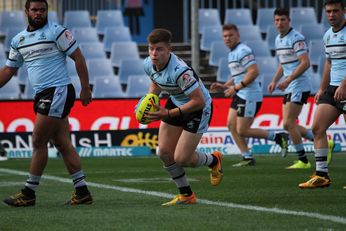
x=128 y=193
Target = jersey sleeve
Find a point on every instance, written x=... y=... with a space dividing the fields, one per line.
x=65 y=40
x=246 y=57
x=187 y=81
x=15 y=59
x=299 y=44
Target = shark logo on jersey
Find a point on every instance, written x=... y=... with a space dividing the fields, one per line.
x=169 y=79
x=21 y=40
x=328 y=39
x=176 y=68
x=341 y=39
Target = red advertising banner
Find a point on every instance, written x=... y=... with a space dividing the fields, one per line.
x=118 y=114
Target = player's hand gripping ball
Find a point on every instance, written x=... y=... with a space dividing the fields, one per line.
x=146 y=104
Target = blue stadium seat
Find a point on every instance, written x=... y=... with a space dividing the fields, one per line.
x=99 y=67
x=108 y=18
x=74 y=19
x=265 y=18
x=108 y=87
x=93 y=50
x=53 y=16
x=115 y=34
x=249 y=33
x=320 y=66
x=29 y=92
x=272 y=32
x=2 y=51
x=12 y=19
x=208 y=17
x=302 y=15
x=3 y=61
x=315 y=83
x=130 y=67
x=123 y=50
x=259 y=48
x=137 y=86
x=316 y=50
x=324 y=21
x=85 y=35
x=210 y=34
x=71 y=68
x=11 y=90
x=22 y=74
x=10 y=33
x=238 y=16
x=76 y=84
x=218 y=50
x=312 y=32
x=223 y=73
x=267 y=65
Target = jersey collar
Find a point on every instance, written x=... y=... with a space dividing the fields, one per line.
x=28 y=29
x=233 y=48
x=281 y=36
x=154 y=67
x=340 y=28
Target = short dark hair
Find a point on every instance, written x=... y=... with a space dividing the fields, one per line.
x=159 y=35
x=229 y=27
x=281 y=12
x=341 y=2
x=28 y=2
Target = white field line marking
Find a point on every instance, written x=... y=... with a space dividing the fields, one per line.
x=336 y=219
x=150 y=180
x=10 y=183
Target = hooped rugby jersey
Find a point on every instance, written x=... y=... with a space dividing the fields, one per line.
x=239 y=59
x=335 y=47
x=177 y=79
x=44 y=52
x=288 y=49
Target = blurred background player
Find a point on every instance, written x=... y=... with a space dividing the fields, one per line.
x=331 y=97
x=292 y=53
x=246 y=91
x=185 y=117
x=43 y=46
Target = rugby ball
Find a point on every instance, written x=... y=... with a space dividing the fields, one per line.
x=146 y=104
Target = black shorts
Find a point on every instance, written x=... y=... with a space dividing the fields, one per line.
x=328 y=98
x=55 y=101
x=195 y=122
x=245 y=108
x=299 y=98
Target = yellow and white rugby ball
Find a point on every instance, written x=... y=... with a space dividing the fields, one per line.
x=146 y=104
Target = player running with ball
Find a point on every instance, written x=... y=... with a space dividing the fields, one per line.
x=185 y=117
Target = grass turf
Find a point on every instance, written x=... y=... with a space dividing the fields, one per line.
x=268 y=185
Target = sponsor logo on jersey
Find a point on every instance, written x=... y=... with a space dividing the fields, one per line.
x=69 y=37
x=42 y=36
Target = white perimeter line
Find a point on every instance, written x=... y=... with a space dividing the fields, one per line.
x=319 y=216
